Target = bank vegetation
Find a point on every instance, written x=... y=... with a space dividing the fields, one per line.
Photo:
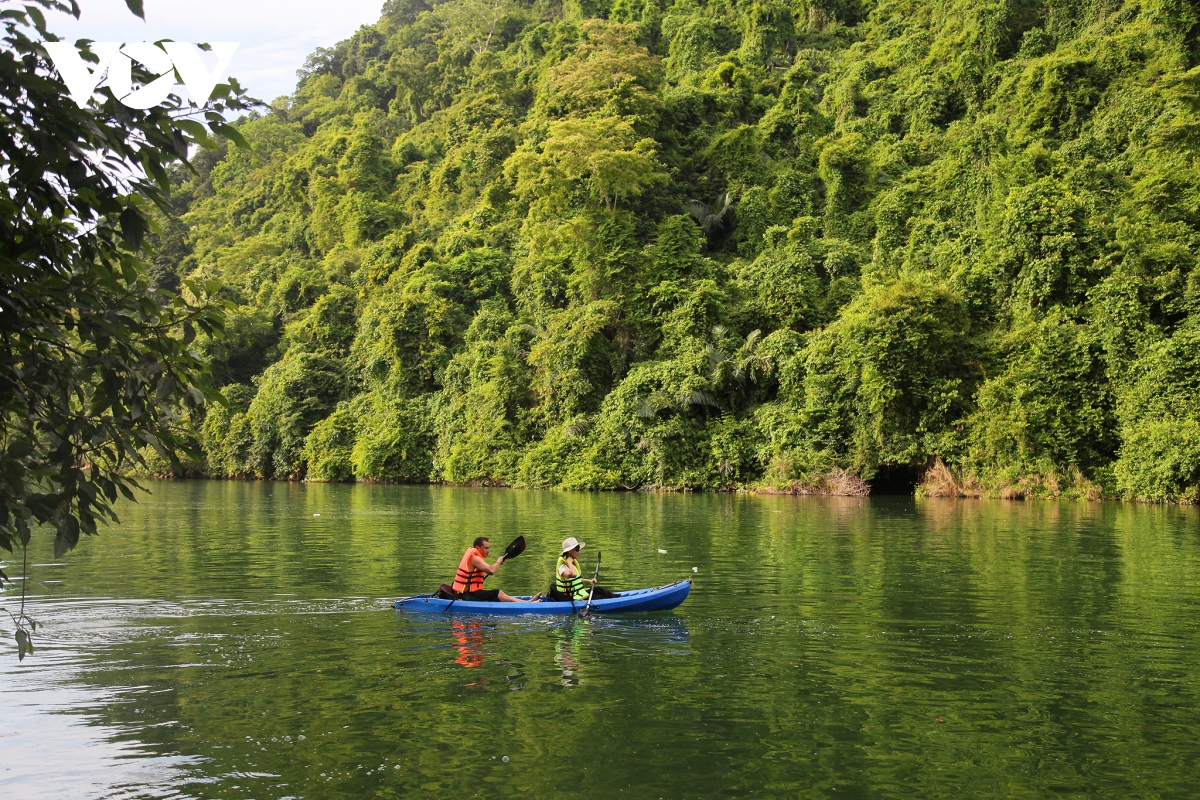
x=792 y=246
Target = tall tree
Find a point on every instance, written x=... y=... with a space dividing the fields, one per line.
x=96 y=362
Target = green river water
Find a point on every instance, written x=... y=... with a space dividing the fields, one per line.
x=224 y=641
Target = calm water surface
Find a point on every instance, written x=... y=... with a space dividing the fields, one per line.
x=226 y=642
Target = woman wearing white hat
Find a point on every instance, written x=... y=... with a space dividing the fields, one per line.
x=569 y=583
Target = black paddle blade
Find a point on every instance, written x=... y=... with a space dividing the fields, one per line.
x=515 y=549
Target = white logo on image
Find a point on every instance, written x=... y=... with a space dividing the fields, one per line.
x=117 y=62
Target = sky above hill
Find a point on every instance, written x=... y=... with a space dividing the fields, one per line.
x=274 y=36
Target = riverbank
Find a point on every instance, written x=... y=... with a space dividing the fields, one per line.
x=781 y=478
x=939 y=481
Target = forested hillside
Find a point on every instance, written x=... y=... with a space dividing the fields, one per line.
x=642 y=244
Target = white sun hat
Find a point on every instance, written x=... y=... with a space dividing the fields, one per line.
x=570 y=543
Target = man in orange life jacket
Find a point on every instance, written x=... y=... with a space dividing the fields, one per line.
x=473 y=569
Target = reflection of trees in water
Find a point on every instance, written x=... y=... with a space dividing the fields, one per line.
x=1051 y=638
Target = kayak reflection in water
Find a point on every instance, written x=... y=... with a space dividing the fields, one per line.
x=569 y=583
x=473 y=569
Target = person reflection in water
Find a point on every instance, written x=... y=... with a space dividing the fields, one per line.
x=568 y=645
x=469 y=643
x=473 y=569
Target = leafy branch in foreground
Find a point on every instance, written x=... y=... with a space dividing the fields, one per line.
x=25 y=625
x=96 y=363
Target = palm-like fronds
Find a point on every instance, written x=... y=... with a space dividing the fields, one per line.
x=696 y=397
x=743 y=364
x=710 y=217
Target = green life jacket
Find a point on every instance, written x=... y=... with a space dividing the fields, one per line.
x=572 y=586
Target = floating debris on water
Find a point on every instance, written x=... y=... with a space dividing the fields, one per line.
x=695 y=569
x=662 y=552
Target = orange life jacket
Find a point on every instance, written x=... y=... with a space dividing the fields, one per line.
x=468 y=578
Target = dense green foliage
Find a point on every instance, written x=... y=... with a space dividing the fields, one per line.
x=698 y=245
x=98 y=365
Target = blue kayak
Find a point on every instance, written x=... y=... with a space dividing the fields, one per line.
x=660 y=598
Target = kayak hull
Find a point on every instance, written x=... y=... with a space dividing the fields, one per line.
x=658 y=598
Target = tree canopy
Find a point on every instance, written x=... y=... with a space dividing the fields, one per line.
x=99 y=363
x=635 y=243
